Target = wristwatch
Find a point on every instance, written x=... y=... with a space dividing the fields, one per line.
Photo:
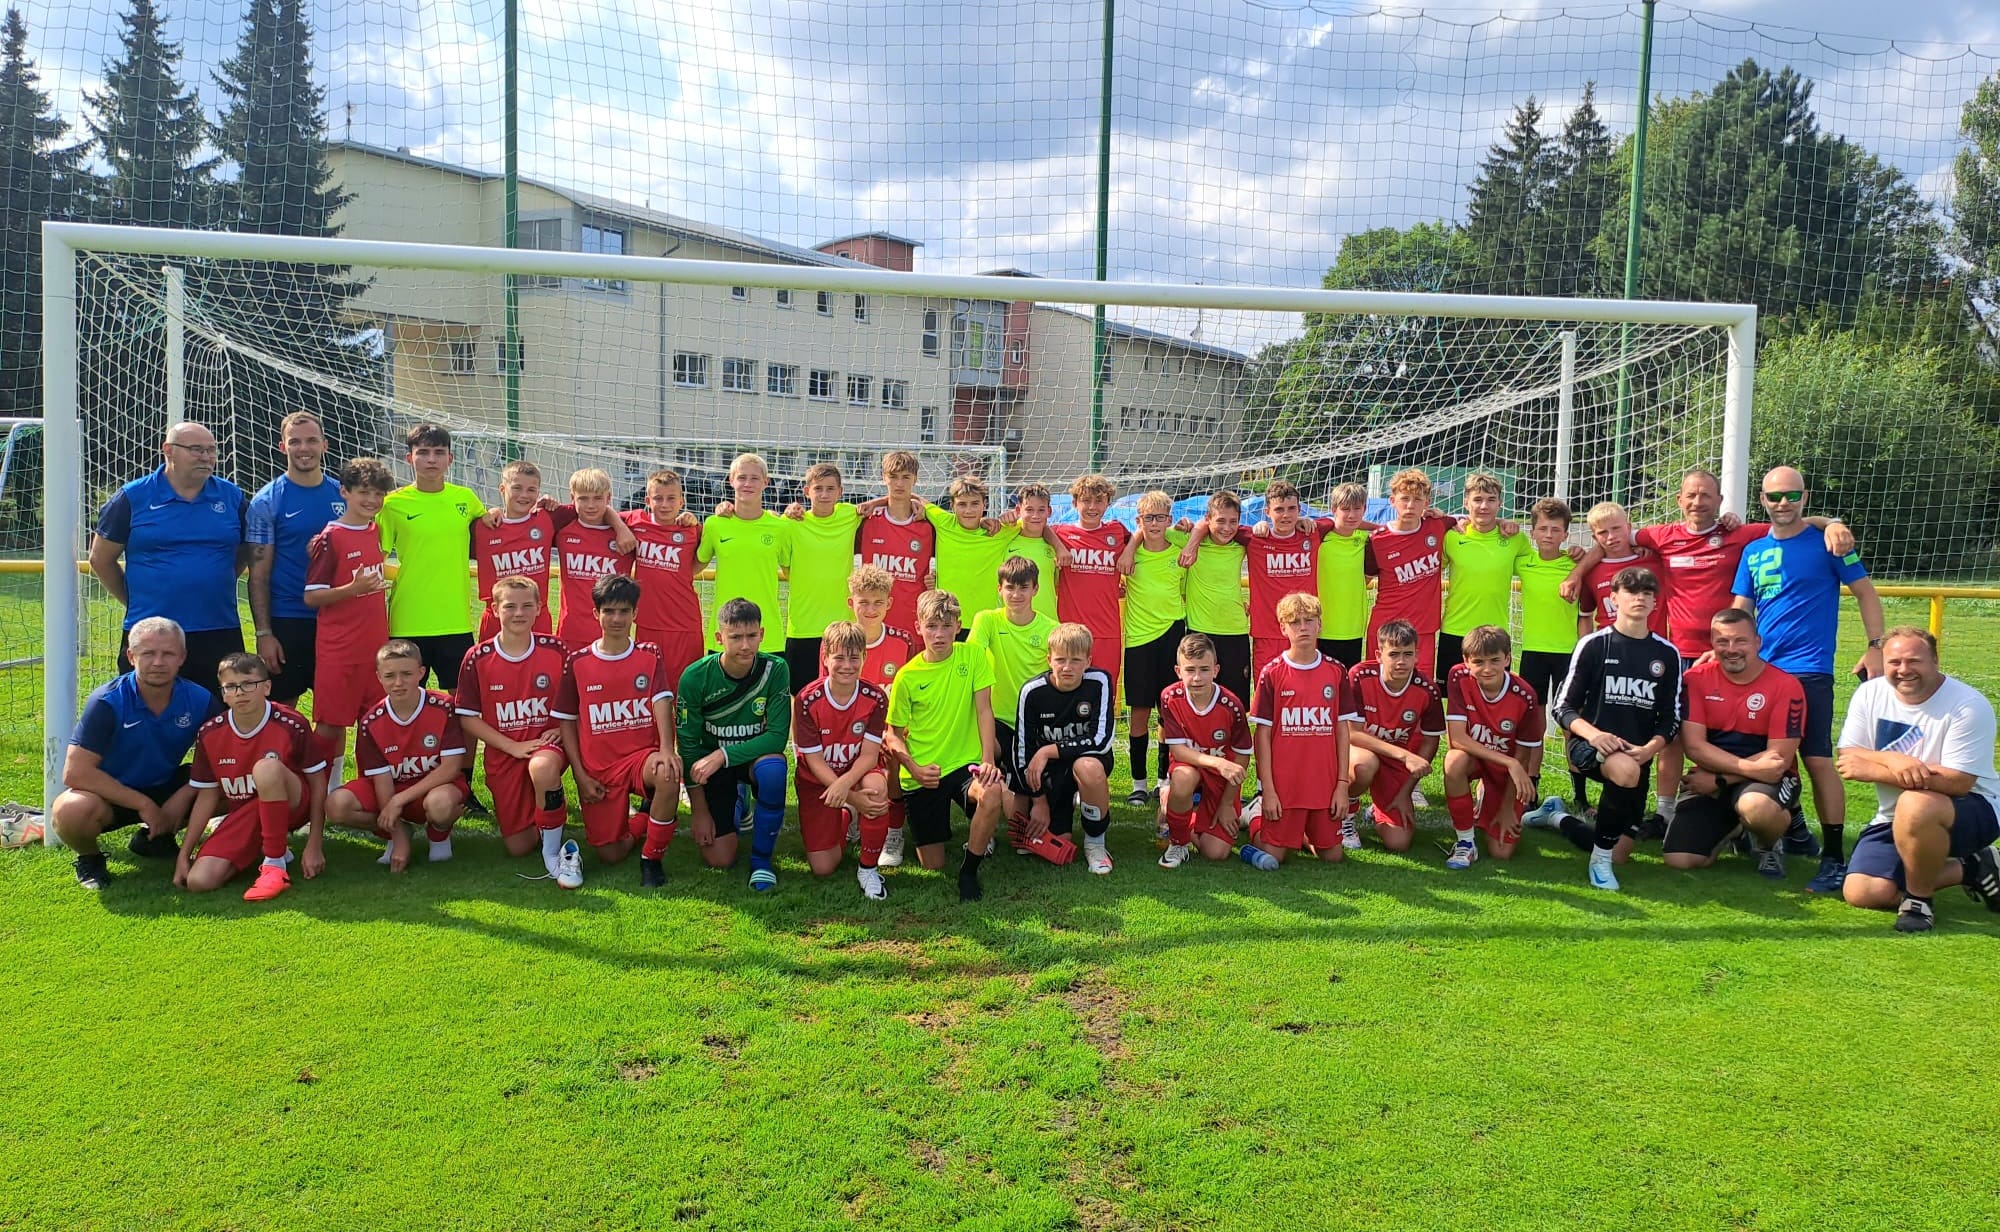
x=265 y=633
x=1874 y=643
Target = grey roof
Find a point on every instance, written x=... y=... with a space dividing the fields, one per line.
x=1118 y=329
x=876 y=235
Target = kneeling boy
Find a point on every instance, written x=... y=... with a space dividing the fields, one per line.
x=734 y=704
x=411 y=755
x=837 y=725
x=1207 y=737
x=1495 y=727
x=1402 y=720
x=1301 y=710
x=260 y=758
x=1062 y=744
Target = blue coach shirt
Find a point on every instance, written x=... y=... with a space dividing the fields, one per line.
x=137 y=747
x=1795 y=584
x=180 y=554
x=285 y=516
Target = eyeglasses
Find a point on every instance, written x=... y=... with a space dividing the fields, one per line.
x=1779 y=498
x=243 y=686
x=199 y=451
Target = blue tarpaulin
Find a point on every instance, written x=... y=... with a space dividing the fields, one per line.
x=1126 y=509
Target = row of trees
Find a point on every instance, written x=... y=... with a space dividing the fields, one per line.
x=148 y=154
x=1877 y=316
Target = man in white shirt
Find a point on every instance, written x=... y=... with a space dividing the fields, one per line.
x=1925 y=741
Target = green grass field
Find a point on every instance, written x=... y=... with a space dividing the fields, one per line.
x=1381 y=1042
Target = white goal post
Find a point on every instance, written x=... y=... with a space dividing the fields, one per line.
x=64 y=243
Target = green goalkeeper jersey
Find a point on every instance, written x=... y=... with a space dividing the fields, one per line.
x=745 y=718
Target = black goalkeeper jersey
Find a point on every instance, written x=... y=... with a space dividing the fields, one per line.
x=1628 y=686
x=1078 y=722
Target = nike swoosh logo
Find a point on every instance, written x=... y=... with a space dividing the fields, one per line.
x=411 y=517
x=150 y=507
x=295 y=513
x=134 y=723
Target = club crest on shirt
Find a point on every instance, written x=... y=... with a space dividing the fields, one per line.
x=535 y=534
x=639 y=681
x=1430 y=541
x=915 y=546
x=857 y=727
x=1083 y=709
x=888 y=670
x=1506 y=725
x=183 y=720
x=461 y=508
x=1219 y=735
x=677 y=536
x=215 y=506
x=767 y=540
x=757 y=707
x=1715 y=541
x=1656 y=667
x=1326 y=691
x=430 y=741
x=1409 y=716
x=339 y=507
x=1754 y=702
x=542 y=680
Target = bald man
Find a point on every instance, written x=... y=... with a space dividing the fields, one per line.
x=171 y=544
x=1790 y=580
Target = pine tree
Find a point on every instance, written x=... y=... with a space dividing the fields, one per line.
x=1504 y=217
x=39 y=179
x=1585 y=185
x=151 y=133
x=1976 y=207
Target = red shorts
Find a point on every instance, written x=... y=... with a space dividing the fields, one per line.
x=1427 y=646
x=1388 y=784
x=1262 y=651
x=240 y=837
x=363 y=790
x=1213 y=792
x=681 y=647
x=607 y=821
x=514 y=802
x=1294 y=828
x=822 y=828
x=1497 y=786
x=1107 y=653
x=489 y=620
x=342 y=692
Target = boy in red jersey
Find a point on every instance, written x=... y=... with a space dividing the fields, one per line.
x=885 y=648
x=1207 y=735
x=595 y=545
x=616 y=707
x=664 y=565
x=837 y=726
x=1283 y=562
x=260 y=759
x=1300 y=711
x=1611 y=531
x=1495 y=727
x=1396 y=739
x=411 y=756
x=346 y=586
x=517 y=539
x=1089 y=584
x=897 y=537
x=505 y=689
x=1406 y=558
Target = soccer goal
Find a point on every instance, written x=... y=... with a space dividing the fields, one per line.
x=627 y=363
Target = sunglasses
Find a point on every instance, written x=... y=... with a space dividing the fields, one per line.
x=1779 y=498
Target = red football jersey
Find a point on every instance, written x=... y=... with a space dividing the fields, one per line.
x=1304 y=707
x=353 y=629
x=1506 y=724
x=518 y=547
x=611 y=699
x=1402 y=717
x=908 y=550
x=1701 y=574
x=1408 y=567
x=1087 y=592
x=664 y=566
x=887 y=654
x=1743 y=719
x=408 y=748
x=1597 y=585
x=224 y=757
x=1279 y=567
x=836 y=732
x=1220 y=730
x=584 y=553
x=514 y=696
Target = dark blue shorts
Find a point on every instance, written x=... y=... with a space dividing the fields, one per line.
x=1973 y=826
x=1817 y=739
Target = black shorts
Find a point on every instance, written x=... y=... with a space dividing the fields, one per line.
x=122 y=817
x=1346 y=651
x=802 y=657
x=298 y=638
x=1544 y=671
x=720 y=794
x=927 y=810
x=1003 y=748
x=1232 y=662
x=1973 y=826
x=443 y=654
x=1149 y=667
x=1702 y=824
x=1059 y=789
x=1584 y=760
x=1451 y=649
x=1817 y=740
x=205 y=649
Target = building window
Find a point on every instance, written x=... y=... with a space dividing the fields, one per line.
x=739 y=376
x=895 y=395
x=819 y=384
x=500 y=363
x=860 y=390
x=1178 y=423
x=606 y=241
x=542 y=235
x=861 y=309
x=782 y=380
x=740 y=294
x=690 y=370
x=784 y=299
x=927 y=426
x=1125 y=414
x=464 y=356
x=1146 y=364
x=1145 y=421
x=825 y=303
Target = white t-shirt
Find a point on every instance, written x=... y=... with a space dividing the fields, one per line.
x=1953 y=729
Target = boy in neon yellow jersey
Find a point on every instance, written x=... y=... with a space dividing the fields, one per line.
x=750 y=545
x=1343 y=576
x=1550 y=623
x=822 y=559
x=427 y=526
x=1155 y=620
x=1215 y=598
x=970 y=547
x=1015 y=637
x=1031 y=510
x=1480 y=556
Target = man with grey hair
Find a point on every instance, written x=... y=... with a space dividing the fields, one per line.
x=124 y=765
x=180 y=533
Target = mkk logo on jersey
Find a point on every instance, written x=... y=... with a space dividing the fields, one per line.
x=588 y=564
x=410 y=768
x=1421 y=567
x=659 y=555
x=841 y=754
x=1630 y=689
x=521 y=713
x=623 y=712
x=1289 y=563
x=237 y=786
x=1094 y=560
x=1486 y=736
x=1314 y=718
x=520 y=561
x=901 y=567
